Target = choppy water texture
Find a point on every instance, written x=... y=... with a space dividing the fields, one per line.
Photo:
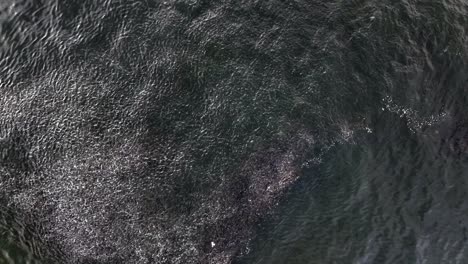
x=233 y=131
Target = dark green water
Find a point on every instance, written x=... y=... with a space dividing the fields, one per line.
x=233 y=131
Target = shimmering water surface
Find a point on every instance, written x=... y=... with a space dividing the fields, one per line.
x=197 y=131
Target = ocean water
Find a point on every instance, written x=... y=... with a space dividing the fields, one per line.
x=231 y=131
